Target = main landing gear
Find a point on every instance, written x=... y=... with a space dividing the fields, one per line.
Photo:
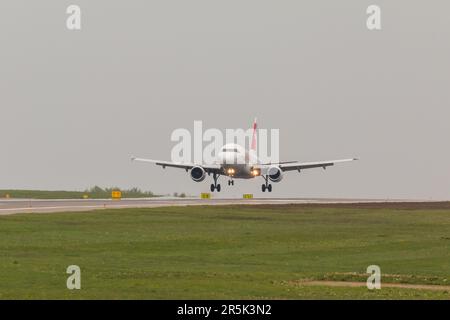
x=215 y=186
x=266 y=186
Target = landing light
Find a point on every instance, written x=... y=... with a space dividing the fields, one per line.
x=255 y=172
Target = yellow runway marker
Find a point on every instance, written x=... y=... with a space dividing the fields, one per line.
x=116 y=195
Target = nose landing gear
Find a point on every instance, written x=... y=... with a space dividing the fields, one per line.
x=231 y=182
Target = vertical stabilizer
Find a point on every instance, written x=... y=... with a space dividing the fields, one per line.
x=254 y=144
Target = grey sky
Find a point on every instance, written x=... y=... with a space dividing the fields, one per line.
x=74 y=106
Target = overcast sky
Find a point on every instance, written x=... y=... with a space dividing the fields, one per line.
x=75 y=105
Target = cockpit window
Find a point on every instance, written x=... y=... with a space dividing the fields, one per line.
x=230 y=150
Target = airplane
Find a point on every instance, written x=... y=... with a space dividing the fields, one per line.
x=235 y=162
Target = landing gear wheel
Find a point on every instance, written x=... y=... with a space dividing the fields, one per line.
x=269 y=187
x=215 y=186
x=263 y=188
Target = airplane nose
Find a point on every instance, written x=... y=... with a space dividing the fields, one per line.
x=227 y=157
x=230 y=158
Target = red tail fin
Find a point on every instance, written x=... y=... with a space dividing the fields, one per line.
x=253 y=145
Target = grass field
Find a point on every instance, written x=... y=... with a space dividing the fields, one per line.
x=221 y=252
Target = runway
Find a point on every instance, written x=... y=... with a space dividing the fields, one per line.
x=14 y=206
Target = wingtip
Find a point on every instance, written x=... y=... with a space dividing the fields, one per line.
x=355 y=158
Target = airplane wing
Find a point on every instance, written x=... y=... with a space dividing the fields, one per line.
x=309 y=165
x=187 y=166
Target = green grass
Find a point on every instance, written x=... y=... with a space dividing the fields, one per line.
x=223 y=252
x=93 y=193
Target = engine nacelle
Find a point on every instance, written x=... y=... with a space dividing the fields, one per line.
x=275 y=174
x=198 y=174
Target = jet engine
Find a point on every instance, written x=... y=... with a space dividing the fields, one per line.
x=198 y=174
x=275 y=174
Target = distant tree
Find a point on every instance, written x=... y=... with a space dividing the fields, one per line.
x=96 y=189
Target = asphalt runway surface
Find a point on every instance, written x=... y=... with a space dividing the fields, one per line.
x=13 y=206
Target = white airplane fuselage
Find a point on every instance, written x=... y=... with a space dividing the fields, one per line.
x=237 y=162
